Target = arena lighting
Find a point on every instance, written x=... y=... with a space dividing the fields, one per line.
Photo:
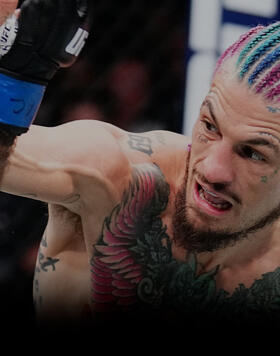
x=213 y=26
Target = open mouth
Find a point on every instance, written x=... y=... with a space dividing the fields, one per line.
x=211 y=201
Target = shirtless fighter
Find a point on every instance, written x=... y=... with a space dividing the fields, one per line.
x=153 y=224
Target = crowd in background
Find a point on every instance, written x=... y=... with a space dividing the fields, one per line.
x=131 y=74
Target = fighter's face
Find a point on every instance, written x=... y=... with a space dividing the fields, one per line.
x=234 y=171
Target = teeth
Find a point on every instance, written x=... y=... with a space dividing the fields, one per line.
x=218 y=206
x=213 y=194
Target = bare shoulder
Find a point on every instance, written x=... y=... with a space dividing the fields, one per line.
x=119 y=148
x=153 y=143
x=119 y=151
x=166 y=149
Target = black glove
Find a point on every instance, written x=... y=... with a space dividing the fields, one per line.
x=50 y=35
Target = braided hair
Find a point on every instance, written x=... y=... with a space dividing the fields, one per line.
x=257 y=54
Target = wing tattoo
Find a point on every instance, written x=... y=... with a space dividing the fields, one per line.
x=117 y=270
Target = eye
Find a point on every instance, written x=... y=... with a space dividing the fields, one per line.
x=250 y=153
x=210 y=127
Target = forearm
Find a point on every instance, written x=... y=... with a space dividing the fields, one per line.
x=7 y=140
x=32 y=169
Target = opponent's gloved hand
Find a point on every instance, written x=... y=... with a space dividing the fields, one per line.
x=49 y=34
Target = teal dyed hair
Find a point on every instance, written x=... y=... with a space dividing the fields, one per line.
x=257 y=54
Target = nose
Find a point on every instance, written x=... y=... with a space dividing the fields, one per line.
x=217 y=166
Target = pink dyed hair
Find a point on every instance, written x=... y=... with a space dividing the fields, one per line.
x=258 y=59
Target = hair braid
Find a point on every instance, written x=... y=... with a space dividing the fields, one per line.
x=267 y=62
x=257 y=58
x=259 y=52
x=274 y=92
x=262 y=35
x=235 y=46
x=270 y=79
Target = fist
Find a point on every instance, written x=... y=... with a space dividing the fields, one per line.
x=38 y=39
x=7 y=8
x=50 y=34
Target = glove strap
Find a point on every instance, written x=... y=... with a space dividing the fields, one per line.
x=19 y=101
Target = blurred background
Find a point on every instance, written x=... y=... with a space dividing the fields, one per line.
x=147 y=65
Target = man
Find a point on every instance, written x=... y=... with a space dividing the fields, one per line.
x=153 y=226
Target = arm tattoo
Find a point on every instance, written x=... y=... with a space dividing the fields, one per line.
x=140 y=143
x=43 y=264
x=46 y=262
x=133 y=269
x=44 y=240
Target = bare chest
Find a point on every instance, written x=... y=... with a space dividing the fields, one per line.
x=134 y=267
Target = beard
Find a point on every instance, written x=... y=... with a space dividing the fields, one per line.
x=196 y=240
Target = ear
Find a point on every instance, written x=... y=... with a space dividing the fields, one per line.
x=7 y=8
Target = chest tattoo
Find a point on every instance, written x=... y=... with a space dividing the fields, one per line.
x=133 y=269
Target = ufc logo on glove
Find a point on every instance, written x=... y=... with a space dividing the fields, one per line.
x=29 y=58
x=77 y=43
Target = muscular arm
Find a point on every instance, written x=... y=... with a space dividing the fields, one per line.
x=48 y=163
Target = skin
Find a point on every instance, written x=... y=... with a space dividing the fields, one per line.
x=92 y=174
x=87 y=180
x=82 y=186
x=7 y=8
x=220 y=154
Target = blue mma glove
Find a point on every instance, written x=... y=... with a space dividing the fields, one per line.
x=48 y=34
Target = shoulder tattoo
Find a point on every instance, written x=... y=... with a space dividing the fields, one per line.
x=140 y=142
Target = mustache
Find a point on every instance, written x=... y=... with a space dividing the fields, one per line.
x=219 y=187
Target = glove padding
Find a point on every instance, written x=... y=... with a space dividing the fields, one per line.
x=50 y=35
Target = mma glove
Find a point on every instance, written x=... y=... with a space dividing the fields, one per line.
x=48 y=34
